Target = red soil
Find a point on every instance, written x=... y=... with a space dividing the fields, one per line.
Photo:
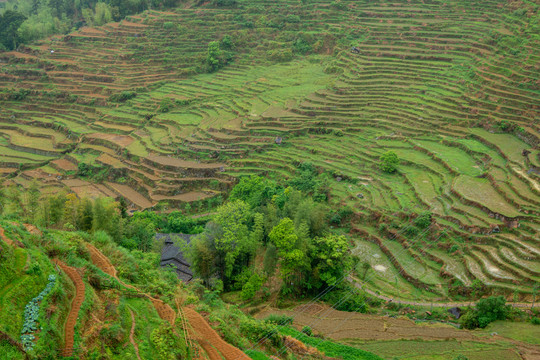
x=101 y=261
x=4 y=238
x=32 y=229
x=210 y=340
x=75 y=306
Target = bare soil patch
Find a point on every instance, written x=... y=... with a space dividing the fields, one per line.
x=64 y=164
x=4 y=238
x=339 y=325
x=120 y=140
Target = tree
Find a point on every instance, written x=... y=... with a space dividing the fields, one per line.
x=388 y=162
x=292 y=259
x=491 y=309
x=214 y=59
x=330 y=259
x=10 y=22
x=486 y=311
x=255 y=190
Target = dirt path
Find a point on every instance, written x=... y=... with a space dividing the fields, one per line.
x=214 y=346
x=75 y=306
x=131 y=333
x=449 y=304
x=5 y=239
x=32 y=229
x=101 y=261
x=210 y=340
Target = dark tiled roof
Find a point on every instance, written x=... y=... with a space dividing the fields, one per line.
x=172 y=254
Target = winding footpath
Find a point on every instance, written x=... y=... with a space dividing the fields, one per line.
x=75 y=306
x=199 y=329
x=131 y=333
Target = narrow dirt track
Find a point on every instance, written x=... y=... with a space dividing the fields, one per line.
x=75 y=306
x=32 y=229
x=132 y=333
x=206 y=336
x=5 y=239
x=101 y=261
x=214 y=346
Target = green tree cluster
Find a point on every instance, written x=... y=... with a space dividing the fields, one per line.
x=485 y=312
x=27 y=20
x=284 y=225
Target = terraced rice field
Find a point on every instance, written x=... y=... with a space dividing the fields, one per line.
x=451 y=87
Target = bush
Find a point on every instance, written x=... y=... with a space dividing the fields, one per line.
x=339 y=5
x=123 y=96
x=280 y=55
x=307 y=330
x=251 y=287
x=423 y=220
x=279 y=319
x=486 y=311
x=388 y=162
x=535 y=320
x=225 y=3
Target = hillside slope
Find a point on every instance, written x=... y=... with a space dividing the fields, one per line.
x=129 y=109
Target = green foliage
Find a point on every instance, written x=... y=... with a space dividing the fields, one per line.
x=169 y=346
x=254 y=190
x=339 y=5
x=123 y=96
x=31 y=315
x=251 y=287
x=219 y=54
x=347 y=299
x=388 y=162
x=10 y=22
x=330 y=260
x=329 y=348
x=280 y=55
x=224 y=3
x=423 y=220
x=486 y=311
x=307 y=330
x=279 y=319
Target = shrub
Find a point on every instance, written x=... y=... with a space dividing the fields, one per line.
x=279 y=319
x=486 y=311
x=307 y=330
x=339 y=5
x=123 y=96
x=280 y=55
x=224 y=3
x=388 y=162
x=423 y=220
x=535 y=320
x=251 y=287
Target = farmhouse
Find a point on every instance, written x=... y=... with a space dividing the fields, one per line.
x=172 y=255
